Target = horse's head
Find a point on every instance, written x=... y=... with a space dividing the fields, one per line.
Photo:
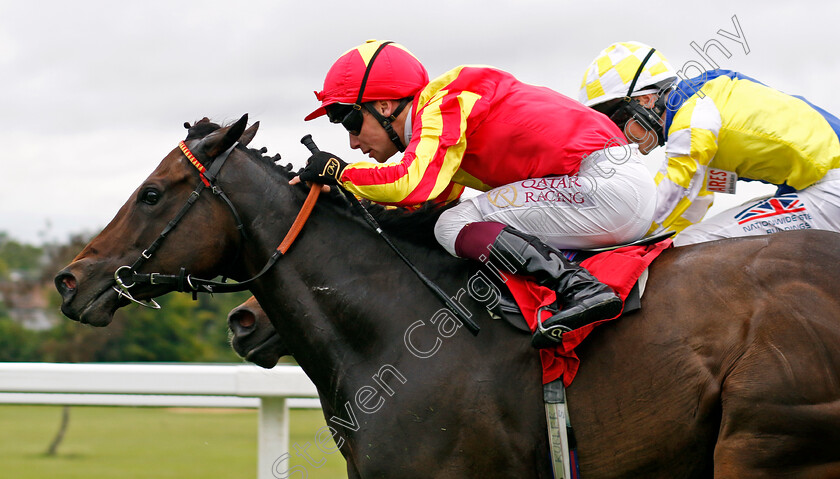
x=149 y=233
x=253 y=336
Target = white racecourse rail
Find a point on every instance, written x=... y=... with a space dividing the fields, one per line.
x=170 y=385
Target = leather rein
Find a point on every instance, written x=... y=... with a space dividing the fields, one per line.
x=183 y=282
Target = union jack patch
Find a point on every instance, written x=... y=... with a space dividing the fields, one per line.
x=775 y=206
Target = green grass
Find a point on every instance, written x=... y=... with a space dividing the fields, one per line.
x=143 y=443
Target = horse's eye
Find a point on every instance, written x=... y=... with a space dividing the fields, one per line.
x=150 y=196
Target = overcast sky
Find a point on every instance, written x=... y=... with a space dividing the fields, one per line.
x=94 y=93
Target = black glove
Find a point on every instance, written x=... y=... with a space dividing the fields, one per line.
x=324 y=168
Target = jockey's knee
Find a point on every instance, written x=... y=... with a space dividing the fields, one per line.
x=452 y=221
x=446 y=231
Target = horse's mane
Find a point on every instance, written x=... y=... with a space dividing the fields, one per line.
x=415 y=225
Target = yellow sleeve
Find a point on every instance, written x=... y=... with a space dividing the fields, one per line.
x=681 y=195
x=432 y=157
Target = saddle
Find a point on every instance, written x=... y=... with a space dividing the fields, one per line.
x=560 y=366
x=508 y=310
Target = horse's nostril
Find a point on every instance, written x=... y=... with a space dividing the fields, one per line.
x=245 y=319
x=65 y=283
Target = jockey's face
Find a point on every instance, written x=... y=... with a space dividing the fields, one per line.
x=372 y=138
x=636 y=133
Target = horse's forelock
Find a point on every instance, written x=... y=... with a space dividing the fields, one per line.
x=201 y=128
x=415 y=224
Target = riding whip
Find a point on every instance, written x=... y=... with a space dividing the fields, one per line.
x=456 y=309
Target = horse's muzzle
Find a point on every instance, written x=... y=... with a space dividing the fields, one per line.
x=254 y=338
x=95 y=308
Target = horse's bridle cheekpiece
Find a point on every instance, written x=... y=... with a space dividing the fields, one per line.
x=183 y=282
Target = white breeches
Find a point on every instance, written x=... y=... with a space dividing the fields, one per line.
x=611 y=200
x=817 y=206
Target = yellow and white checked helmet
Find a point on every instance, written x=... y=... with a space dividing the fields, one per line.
x=612 y=72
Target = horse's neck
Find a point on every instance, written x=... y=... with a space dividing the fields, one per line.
x=368 y=332
x=342 y=295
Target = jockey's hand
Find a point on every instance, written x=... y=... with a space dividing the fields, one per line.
x=324 y=168
x=296 y=180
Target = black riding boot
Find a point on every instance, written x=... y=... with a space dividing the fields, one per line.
x=585 y=300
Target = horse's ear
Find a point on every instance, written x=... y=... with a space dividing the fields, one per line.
x=249 y=134
x=230 y=136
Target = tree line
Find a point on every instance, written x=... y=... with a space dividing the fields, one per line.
x=182 y=331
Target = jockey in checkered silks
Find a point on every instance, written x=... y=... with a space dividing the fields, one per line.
x=717 y=128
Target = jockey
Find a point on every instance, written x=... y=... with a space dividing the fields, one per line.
x=720 y=127
x=523 y=145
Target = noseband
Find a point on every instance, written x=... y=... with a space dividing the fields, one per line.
x=183 y=282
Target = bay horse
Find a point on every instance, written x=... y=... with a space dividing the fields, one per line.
x=729 y=370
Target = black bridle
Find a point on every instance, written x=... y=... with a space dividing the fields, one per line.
x=183 y=282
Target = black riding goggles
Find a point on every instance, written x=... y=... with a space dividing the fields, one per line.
x=630 y=108
x=349 y=115
x=620 y=114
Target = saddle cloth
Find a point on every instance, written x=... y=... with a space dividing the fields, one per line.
x=619 y=268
